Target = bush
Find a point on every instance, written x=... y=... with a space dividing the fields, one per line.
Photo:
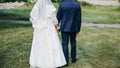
x=13 y=0
x=83 y=3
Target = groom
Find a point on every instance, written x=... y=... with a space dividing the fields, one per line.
x=69 y=18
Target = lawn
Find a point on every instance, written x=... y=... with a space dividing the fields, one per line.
x=96 y=48
x=21 y=13
x=101 y=14
x=90 y=13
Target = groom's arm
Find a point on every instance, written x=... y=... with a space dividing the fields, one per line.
x=59 y=14
x=79 y=18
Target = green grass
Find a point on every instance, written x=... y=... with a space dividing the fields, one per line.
x=15 y=42
x=96 y=47
x=90 y=13
x=101 y=14
x=21 y=13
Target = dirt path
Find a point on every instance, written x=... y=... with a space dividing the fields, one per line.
x=10 y=5
x=83 y=24
x=102 y=25
x=103 y=2
x=97 y=2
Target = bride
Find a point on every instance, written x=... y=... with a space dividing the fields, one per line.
x=46 y=51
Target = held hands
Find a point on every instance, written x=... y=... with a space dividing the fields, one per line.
x=57 y=27
x=77 y=33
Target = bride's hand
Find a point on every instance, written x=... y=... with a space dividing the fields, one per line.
x=56 y=26
x=58 y=29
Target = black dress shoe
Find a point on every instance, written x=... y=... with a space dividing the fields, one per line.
x=75 y=60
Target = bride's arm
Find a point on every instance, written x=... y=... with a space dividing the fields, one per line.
x=32 y=21
x=54 y=20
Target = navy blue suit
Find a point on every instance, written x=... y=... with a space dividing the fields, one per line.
x=69 y=18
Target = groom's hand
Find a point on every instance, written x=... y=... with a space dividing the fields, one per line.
x=56 y=26
x=77 y=33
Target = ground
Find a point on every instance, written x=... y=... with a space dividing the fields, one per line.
x=103 y=2
x=97 y=47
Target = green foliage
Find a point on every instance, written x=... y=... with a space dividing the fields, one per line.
x=14 y=0
x=84 y=3
x=60 y=0
x=53 y=0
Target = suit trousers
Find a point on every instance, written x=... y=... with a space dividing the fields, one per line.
x=66 y=36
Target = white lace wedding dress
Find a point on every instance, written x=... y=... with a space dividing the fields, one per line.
x=46 y=51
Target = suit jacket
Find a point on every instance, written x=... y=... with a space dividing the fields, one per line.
x=69 y=16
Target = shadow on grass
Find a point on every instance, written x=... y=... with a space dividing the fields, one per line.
x=13 y=25
x=2 y=62
x=12 y=17
x=14 y=14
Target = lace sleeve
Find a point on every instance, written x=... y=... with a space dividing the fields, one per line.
x=53 y=18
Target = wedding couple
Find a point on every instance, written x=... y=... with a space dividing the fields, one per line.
x=46 y=51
